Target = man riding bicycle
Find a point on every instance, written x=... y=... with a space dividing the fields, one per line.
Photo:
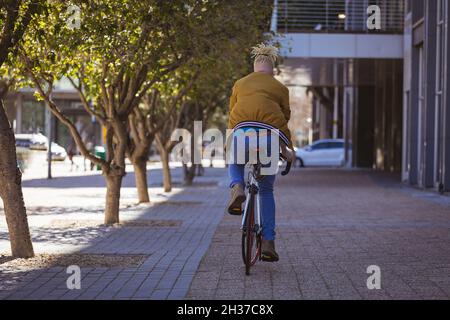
x=260 y=103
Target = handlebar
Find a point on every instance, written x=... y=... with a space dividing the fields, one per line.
x=288 y=166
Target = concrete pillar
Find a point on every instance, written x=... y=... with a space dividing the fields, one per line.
x=445 y=177
x=413 y=118
x=428 y=121
x=407 y=82
x=348 y=111
x=336 y=100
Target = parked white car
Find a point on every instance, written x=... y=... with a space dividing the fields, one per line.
x=32 y=141
x=40 y=142
x=58 y=152
x=326 y=152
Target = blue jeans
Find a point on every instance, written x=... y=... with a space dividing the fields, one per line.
x=267 y=200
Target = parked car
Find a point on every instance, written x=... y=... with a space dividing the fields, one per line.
x=23 y=140
x=58 y=152
x=31 y=141
x=326 y=152
x=40 y=142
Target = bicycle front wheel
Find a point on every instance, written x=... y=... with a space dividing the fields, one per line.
x=251 y=241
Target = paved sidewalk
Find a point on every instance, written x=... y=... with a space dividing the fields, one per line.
x=174 y=252
x=332 y=225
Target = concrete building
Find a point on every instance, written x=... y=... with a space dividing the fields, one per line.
x=348 y=55
x=426 y=110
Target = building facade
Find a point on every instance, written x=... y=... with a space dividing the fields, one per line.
x=353 y=72
x=426 y=110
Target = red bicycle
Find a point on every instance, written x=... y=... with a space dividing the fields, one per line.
x=251 y=220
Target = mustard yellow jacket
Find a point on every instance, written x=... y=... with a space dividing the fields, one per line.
x=259 y=100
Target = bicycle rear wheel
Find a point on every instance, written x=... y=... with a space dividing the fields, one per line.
x=251 y=240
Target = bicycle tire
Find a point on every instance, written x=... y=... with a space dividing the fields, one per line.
x=245 y=232
x=251 y=242
x=243 y=246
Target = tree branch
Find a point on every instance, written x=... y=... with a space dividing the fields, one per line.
x=85 y=103
x=61 y=117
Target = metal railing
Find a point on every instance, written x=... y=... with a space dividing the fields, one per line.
x=339 y=16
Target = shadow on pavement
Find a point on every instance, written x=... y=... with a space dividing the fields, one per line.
x=154 y=177
x=26 y=283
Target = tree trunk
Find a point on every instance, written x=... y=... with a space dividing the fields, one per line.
x=11 y=192
x=113 y=185
x=140 y=175
x=167 y=178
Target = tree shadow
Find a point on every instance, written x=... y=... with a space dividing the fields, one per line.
x=18 y=281
x=154 y=176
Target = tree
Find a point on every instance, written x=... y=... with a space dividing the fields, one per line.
x=169 y=108
x=120 y=50
x=148 y=120
x=14 y=18
x=237 y=27
x=222 y=33
x=142 y=136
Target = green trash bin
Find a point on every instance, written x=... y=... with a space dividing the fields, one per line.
x=100 y=152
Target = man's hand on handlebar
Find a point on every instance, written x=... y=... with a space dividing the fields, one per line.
x=288 y=154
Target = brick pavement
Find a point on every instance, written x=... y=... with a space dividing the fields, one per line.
x=332 y=225
x=173 y=252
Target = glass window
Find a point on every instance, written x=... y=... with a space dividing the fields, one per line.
x=33 y=117
x=25 y=143
x=336 y=145
x=319 y=146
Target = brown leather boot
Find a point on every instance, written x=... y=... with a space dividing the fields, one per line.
x=268 y=252
x=236 y=200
